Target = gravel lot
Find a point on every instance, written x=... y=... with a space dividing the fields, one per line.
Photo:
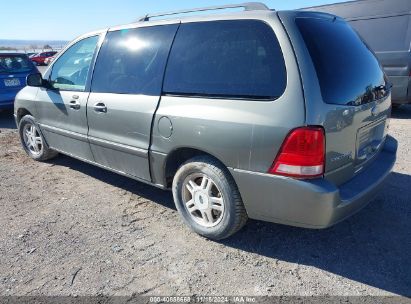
x=68 y=228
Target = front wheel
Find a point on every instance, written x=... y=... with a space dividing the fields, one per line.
x=33 y=141
x=207 y=198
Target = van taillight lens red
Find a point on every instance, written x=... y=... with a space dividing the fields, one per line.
x=302 y=154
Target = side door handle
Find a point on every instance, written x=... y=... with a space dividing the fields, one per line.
x=75 y=105
x=100 y=107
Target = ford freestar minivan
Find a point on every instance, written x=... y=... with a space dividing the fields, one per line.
x=276 y=116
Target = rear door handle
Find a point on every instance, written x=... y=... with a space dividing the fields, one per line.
x=100 y=107
x=75 y=105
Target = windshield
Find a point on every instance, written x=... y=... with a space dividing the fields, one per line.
x=14 y=64
x=348 y=71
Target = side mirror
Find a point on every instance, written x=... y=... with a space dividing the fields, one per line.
x=35 y=80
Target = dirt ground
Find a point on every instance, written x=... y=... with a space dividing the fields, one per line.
x=68 y=228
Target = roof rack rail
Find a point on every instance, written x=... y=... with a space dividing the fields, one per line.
x=249 y=6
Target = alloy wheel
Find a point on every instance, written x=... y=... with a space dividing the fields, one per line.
x=203 y=200
x=32 y=139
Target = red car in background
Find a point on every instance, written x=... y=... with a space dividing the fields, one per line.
x=49 y=60
x=41 y=57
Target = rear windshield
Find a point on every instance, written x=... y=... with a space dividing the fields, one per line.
x=14 y=64
x=348 y=71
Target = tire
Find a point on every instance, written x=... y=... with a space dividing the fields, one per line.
x=208 y=199
x=33 y=141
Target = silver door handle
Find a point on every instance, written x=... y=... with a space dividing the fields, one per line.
x=75 y=105
x=100 y=107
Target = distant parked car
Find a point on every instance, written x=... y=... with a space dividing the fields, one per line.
x=14 y=68
x=49 y=60
x=41 y=57
x=386 y=27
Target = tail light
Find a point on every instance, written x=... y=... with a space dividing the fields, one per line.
x=302 y=154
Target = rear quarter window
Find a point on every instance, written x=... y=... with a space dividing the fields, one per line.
x=347 y=69
x=239 y=59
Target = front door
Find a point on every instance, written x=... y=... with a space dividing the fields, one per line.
x=62 y=112
x=125 y=92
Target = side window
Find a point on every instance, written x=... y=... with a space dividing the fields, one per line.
x=71 y=69
x=132 y=61
x=240 y=59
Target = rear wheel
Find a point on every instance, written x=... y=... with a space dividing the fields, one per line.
x=207 y=198
x=33 y=141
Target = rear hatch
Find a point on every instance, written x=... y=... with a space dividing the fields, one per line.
x=14 y=69
x=355 y=93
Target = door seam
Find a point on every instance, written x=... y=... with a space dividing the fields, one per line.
x=149 y=154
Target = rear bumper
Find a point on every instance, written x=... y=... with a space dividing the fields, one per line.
x=6 y=106
x=7 y=100
x=312 y=203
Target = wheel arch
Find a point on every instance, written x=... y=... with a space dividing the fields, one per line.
x=180 y=155
x=20 y=113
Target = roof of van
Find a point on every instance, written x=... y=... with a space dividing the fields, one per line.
x=172 y=17
x=247 y=6
x=167 y=19
x=365 y=8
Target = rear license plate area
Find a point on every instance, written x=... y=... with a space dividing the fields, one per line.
x=12 y=82
x=370 y=140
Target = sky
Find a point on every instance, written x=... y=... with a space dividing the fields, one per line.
x=65 y=20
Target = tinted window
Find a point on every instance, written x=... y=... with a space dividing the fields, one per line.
x=132 y=61
x=15 y=64
x=71 y=69
x=348 y=71
x=239 y=58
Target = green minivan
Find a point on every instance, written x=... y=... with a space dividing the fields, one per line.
x=279 y=116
